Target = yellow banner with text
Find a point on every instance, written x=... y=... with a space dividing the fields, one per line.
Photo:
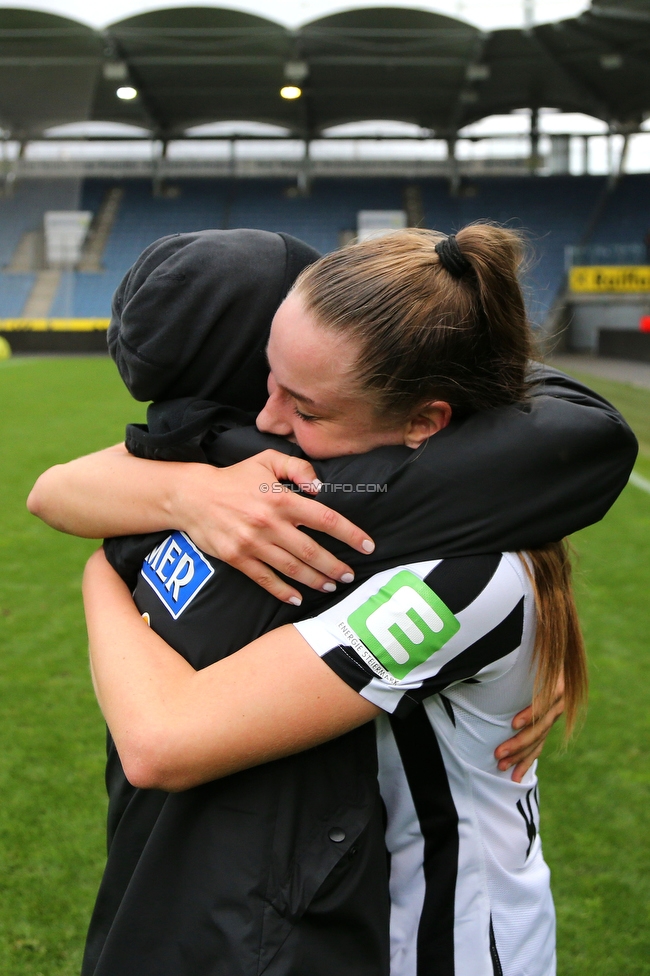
x=610 y=278
x=54 y=325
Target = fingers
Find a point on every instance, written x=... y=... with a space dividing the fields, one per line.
x=264 y=576
x=516 y=748
x=292 y=553
x=527 y=717
x=285 y=558
x=254 y=527
x=523 y=718
x=307 y=551
x=529 y=741
x=289 y=565
x=314 y=515
x=514 y=752
x=524 y=765
x=303 y=512
x=288 y=468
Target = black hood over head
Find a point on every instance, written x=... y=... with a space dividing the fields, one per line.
x=192 y=316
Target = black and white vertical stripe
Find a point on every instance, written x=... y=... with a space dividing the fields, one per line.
x=470 y=892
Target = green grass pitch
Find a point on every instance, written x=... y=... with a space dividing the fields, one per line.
x=596 y=795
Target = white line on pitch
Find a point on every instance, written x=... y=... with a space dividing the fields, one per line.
x=639 y=482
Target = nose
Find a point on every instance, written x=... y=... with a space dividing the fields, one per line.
x=274 y=418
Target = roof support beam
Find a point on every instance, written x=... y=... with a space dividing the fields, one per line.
x=138 y=140
x=44 y=33
x=49 y=61
x=466 y=93
x=454 y=169
x=389 y=33
x=534 y=141
x=334 y=60
x=150 y=116
x=627 y=53
x=618 y=13
x=592 y=101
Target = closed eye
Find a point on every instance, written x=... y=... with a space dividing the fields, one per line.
x=308 y=418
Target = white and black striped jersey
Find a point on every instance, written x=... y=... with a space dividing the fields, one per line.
x=445 y=648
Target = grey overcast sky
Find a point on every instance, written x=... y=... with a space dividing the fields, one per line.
x=487 y=14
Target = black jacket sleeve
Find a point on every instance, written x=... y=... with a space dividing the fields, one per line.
x=506 y=479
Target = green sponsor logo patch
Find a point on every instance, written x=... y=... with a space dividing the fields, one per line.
x=404 y=623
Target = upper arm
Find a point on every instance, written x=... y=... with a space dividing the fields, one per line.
x=413 y=631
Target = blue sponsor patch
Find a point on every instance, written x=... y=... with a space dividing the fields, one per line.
x=176 y=570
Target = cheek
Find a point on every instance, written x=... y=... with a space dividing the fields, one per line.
x=312 y=442
x=321 y=442
x=315 y=440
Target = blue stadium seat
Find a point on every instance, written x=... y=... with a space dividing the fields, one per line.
x=14 y=289
x=554 y=211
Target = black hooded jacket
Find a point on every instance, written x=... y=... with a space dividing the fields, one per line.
x=241 y=876
x=192 y=316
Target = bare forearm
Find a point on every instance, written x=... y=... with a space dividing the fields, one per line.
x=106 y=494
x=112 y=493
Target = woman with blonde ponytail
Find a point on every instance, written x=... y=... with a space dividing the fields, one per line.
x=463 y=337
x=381 y=345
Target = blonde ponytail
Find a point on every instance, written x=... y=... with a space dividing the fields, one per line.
x=559 y=646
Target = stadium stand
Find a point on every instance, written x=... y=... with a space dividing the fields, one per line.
x=23 y=211
x=14 y=291
x=554 y=211
x=194 y=67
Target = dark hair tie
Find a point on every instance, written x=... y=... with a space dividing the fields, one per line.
x=451 y=257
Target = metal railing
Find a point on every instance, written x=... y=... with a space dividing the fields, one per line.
x=605 y=254
x=259 y=167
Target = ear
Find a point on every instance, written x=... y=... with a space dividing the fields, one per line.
x=429 y=419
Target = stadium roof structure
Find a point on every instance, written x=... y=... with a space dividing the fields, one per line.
x=196 y=65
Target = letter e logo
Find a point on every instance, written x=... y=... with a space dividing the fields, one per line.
x=403 y=624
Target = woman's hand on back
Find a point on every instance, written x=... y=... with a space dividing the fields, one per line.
x=232 y=513
x=526 y=746
x=244 y=515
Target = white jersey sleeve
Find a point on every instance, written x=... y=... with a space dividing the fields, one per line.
x=410 y=632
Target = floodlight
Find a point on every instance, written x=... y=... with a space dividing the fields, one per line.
x=296 y=71
x=126 y=93
x=477 y=72
x=115 y=71
x=290 y=91
x=611 y=61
